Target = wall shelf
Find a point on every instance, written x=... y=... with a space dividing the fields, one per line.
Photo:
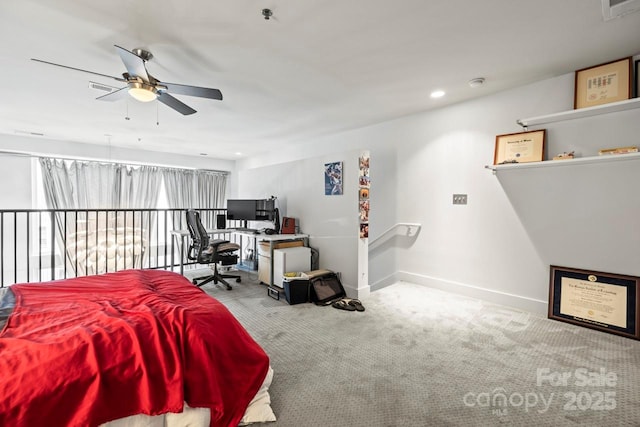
x=627 y=104
x=569 y=162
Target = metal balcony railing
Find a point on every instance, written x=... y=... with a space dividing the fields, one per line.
x=41 y=245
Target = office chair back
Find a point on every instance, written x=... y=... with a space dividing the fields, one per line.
x=217 y=254
x=199 y=237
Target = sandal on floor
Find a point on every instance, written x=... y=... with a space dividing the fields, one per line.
x=343 y=305
x=356 y=304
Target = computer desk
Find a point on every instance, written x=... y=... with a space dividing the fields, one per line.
x=181 y=236
x=271 y=239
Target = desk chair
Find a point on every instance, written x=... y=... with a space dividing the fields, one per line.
x=205 y=251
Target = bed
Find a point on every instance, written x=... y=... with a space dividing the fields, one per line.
x=136 y=347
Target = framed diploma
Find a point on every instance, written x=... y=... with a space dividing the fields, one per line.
x=603 y=301
x=520 y=147
x=604 y=83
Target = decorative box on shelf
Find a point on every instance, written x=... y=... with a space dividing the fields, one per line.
x=564 y=156
x=618 y=150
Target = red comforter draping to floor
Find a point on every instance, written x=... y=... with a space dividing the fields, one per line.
x=83 y=351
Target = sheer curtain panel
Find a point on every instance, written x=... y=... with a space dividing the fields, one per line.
x=94 y=238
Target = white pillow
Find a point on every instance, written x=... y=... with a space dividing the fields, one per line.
x=192 y=417
x=259 y=410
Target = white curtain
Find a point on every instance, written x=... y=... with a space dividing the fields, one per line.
x=211 y=194
x=94 y=185
x=140 y=187
x=188 y=189
x=58 y=191
x=96 y=242
x=211 y=189
x=81 y=185
x=106 y=241
x=179 y=185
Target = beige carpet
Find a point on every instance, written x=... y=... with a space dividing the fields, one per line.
x=422 y=357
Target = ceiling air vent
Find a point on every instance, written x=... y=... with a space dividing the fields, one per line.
x=616 y=8
x=100 y=86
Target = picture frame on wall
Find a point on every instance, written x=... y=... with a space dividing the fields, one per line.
x=607 y=302
x=333 y=179
x=521 y=147
x=602 y=84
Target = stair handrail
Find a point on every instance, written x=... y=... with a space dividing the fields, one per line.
x=412 y=229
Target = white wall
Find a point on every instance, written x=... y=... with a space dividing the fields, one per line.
x=499 y=246
x=330 y=221
x=301 y=164
x=15 y=179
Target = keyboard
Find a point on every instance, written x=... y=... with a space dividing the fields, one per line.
x=246 y=230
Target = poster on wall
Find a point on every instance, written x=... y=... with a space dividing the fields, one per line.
x=333 y=179
x=604 y=301
x=364 y=184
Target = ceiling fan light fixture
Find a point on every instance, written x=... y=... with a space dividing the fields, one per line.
x=142 y=92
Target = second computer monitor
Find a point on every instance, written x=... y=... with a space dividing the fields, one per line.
x=250 y=209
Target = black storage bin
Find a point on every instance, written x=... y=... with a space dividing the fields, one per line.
x=296 y=291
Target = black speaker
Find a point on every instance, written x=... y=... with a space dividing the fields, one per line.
x=276 y=221
x=221 y=222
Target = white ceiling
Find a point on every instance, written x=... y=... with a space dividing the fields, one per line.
x=316 y=67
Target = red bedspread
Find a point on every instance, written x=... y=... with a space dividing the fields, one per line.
x=80 y=352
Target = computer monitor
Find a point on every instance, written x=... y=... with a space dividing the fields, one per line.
x=265 y=209
x=251 y=209
x=241 y=209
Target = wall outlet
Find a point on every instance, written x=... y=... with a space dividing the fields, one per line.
x=459 y=199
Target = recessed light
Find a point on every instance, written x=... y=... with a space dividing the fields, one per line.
x=477 y=82
x=437 y=94
x=238 y=153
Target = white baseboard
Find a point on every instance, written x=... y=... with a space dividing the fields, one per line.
x=383 y=283
x=359 y=293
x=523 y=303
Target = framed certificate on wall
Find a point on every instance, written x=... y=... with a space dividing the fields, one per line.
x=603 y=83
x=521 y=147
x=604 y=301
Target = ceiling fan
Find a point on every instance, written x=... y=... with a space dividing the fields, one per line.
x=143 y=86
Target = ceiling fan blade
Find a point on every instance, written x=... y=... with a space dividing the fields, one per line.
x=174 y=103
x=120 y=79
x=115 y=95
x=133 y=63
x=202 y=92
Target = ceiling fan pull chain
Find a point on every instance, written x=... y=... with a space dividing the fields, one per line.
x=157 y=115
x=126 y=117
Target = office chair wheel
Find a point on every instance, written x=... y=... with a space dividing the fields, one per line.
x=194 y=281
x=238 y=280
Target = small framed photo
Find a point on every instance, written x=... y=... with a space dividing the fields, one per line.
x=602 y=84
x=520 y=147
x=364 y=230
x=603 y=301
x=363 y=194
x=364 y=210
